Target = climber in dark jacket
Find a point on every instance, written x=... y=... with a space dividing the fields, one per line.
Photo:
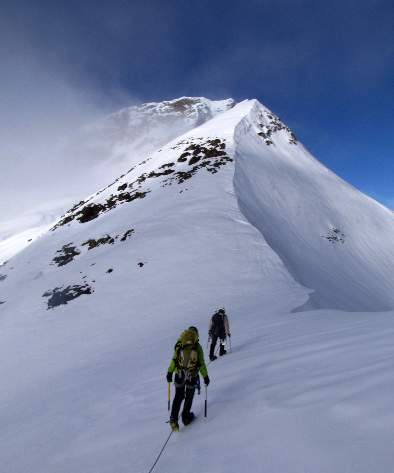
x=218 y=328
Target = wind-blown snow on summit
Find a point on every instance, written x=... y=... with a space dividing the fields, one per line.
x=125 y=138
x=233 y=212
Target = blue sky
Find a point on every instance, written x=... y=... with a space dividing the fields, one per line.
x=325 y=68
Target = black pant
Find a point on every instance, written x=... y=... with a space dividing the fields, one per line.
x=221 y=336
x=182 y=385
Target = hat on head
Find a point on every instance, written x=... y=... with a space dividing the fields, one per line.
x=193 y=329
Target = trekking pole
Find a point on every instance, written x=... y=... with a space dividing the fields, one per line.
x=230 y=343
x=206 y=390
x=168 y=396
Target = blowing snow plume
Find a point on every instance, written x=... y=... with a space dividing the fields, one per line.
x=124 y=139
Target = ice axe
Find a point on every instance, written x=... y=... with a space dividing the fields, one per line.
x=205 y=414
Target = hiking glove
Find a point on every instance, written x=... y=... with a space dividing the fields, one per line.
x=169 y=377
x=206 y=380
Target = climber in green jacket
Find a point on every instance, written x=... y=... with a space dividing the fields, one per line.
x=187 y=362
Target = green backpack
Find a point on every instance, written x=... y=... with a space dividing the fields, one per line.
x=186 y=352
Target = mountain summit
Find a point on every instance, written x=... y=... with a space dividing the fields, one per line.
x=331 y=239
x=228 y=209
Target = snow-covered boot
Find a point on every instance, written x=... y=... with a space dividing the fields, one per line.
x=174 y=423
x=213 y=357
x=189 y=418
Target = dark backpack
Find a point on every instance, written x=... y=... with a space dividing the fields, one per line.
x=217 y=327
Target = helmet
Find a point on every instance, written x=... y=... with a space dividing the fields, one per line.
x=221 y=310
x=194 y=329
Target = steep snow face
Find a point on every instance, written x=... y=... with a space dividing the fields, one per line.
x=332 y=238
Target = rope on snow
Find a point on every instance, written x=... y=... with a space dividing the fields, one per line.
x=157 y=459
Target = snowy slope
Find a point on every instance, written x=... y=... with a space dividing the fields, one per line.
x=332 y=238
x=207 y=220
x=18 y=232
x=104 y=150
